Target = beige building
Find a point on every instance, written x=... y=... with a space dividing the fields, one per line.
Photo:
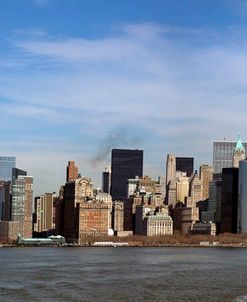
x=171 y=195
x=153 y=221
x=195 y=191
x=184 y=218
x=44 y=207
x=182 y=185
x=206 y=175
x=118 y=216
x=22 y=204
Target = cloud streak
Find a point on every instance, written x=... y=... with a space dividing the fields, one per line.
x=182 y=88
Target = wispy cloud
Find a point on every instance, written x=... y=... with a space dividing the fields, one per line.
x=181 y=87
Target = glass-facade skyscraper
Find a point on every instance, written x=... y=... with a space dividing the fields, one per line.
x=6 y=165
x=185 y=164
x=223 y=154
x=125 y=164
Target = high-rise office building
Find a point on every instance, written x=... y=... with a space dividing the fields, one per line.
x=22 y=198
x=223 y=152
x=238 y=153
x=185 y=164
x=182 y=185
x=106 y=180
x=125 y=164
x=72 y=171
x=206 y=175
x=229 y=201
x=44 y=210
x=6 y=165
x=242 y=191
x=171 y=195
x=5 y=200
x=195 y=191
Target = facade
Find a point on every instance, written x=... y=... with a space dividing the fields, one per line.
x=153 y=221
x=229 y=201
x=238 y=154
x=182 y=186
x=106 y=180
x=185 y=164
x=195 y=191
x=5 y=200
x=7 y=163
x=242 y=191
x=223 y=154
x=118 y=216
x=162 y=182
x=157 y=225
x=22 y=203
x=72 y=171
x=9 y=231
x=204 y=228
x=184 y=218
x=206 y=175
x=74 y=192
x=94 y=218
x=125 y=164
x=82 y=212
x=171 y=194
x=44 y=207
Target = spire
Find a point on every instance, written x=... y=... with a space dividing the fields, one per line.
x=239 y=144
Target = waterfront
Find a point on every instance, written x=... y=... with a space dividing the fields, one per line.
x=123 y=274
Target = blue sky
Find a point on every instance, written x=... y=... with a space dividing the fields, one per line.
x=79 y=77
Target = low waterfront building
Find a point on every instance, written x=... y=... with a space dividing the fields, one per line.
x=153 y=221
x=51 y=240
x=203 y=228
x=158 y=224
x=184 y=218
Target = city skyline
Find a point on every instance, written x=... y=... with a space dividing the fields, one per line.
x=80 y=78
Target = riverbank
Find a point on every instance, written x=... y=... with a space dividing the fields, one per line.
x=177 y=240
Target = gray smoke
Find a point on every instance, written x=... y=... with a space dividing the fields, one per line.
x=117 y=138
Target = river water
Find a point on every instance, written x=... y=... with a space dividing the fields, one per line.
x=123 y=274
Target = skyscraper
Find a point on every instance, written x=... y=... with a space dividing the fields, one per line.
x=22 y=199
x=223 y=154
x=72 y=171
x=238 y=153
x=229 y=201
x=185 y=164
x=206 y=175
x=125 y=164
x=44 y=207
x=242 y=191
x=106 y=180
x=6 y=165
x=171 y=195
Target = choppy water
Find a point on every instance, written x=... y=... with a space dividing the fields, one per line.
x=123 y=274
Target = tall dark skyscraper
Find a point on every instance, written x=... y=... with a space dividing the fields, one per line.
x=229 y=201
x=125 y=164
x=106 y=180
x=185 y=164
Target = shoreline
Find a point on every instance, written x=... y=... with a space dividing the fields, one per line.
x=130 y=246
x=226 y=240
